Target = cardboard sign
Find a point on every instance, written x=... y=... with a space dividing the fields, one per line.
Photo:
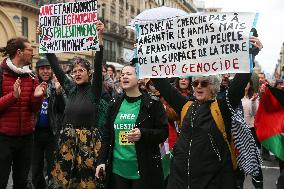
x=68 y=27
x=199 y=44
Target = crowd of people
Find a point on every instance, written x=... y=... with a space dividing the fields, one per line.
x=92 y=127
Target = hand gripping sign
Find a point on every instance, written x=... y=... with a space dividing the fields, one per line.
x=199 y=44
x=68 y=27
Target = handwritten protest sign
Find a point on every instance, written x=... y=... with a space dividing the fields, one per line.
x=68 y=27
x=199 y=44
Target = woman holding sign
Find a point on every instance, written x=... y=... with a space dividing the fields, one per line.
x=79 y=138
x=136 y=126
x=203 y=157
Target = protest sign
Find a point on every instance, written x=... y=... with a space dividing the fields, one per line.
x=195 y=45
x=68 y=27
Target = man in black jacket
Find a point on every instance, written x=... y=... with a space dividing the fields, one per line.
x=48 y=120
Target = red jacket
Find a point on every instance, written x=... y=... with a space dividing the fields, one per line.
x=17 y=115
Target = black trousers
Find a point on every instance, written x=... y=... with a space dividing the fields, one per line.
x=281 y=165
x=280 y=182
x=15 y=152
x=119 y=182
x=43 y=151
x=257 y=181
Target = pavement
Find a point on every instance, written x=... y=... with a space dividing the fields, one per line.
x=270 y=174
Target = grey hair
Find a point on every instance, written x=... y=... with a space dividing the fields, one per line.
x=215 y=82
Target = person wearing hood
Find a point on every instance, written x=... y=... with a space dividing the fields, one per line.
x=47 y=124
x=20 y=98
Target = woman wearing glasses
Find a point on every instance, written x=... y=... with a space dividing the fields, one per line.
x=202 y=158
x=79 y=139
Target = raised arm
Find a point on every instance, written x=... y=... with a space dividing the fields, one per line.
x=170 y=94
x=237 y=87
x=240 y=81
x=59 y=73
x=97 y=76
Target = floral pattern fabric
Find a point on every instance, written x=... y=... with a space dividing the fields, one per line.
x=75 y=159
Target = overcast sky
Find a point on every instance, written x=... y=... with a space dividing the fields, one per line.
x=270 y=25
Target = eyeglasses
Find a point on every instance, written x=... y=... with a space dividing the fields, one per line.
x=80 y=71
x=203 y=83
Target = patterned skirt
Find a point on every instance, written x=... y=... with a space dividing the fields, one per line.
x=75 y=159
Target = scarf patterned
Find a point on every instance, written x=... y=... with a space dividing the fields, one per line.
x=248 y=156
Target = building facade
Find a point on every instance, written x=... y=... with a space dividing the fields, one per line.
x=279 y=69
x=20 y=18
x=200 y=5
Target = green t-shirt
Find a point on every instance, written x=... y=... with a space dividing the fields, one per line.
x=124 y=153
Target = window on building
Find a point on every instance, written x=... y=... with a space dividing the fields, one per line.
x=37 y=36
x=132 y=9
x=103 y=11
x=25 y=27
x=109 y=51
x=112 y=15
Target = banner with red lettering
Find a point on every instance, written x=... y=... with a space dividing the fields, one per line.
x=68 y=27
x=196 y=45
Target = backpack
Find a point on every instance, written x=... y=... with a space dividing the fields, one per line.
x=217 y=116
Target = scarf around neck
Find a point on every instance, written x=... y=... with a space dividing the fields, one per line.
x=24 y=70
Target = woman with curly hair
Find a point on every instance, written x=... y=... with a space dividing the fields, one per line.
x=79 y=138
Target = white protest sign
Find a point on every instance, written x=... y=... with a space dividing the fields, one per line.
x=68 y=27
x=199 y=44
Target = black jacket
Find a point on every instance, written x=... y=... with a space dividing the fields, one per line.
x=201 y=156
x=152 y=122
x=56 y=105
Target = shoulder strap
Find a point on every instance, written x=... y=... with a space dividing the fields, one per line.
x=184 y=110
x=217 y=116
